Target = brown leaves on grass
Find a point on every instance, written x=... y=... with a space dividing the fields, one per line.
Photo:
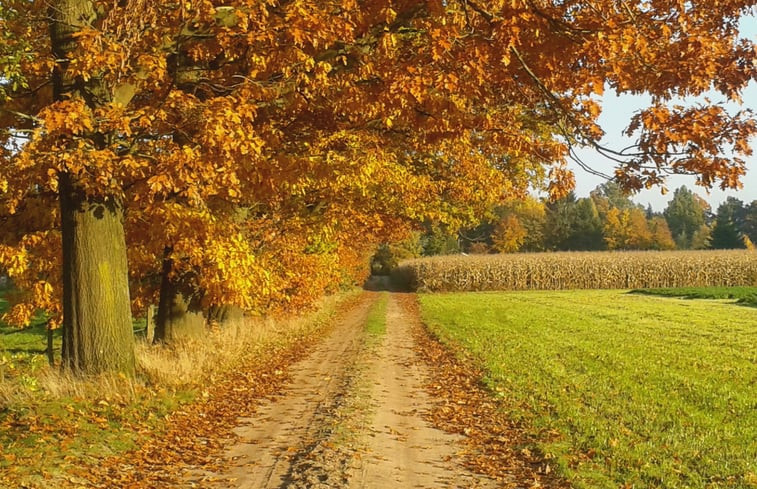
x=197 y=432
x=189 y=446
x=495 y=445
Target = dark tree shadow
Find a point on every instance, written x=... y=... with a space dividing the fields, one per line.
x=378 y=283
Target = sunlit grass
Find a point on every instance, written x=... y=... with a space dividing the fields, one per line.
x=622 y=390
x=375 y=323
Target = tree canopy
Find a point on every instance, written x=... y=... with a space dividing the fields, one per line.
x=254 y=149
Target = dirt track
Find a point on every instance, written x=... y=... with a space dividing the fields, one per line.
x=404 y=450
x=352 y=416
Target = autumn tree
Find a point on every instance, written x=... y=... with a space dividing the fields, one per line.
x=509 y=234
x=639 y=236
x=113 y=112
x=615 y=229
x=608 y=195
x=662 y=238
x=531 y=214
x=520 y=221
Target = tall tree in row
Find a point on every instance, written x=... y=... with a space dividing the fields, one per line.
x=610 y=195
x=750 y=221
x=573 y=224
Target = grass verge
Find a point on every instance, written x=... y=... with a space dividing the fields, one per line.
x=620 y=390
x=57 y=431
x=375 y=323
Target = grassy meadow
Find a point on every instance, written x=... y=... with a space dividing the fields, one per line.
x=618 y=389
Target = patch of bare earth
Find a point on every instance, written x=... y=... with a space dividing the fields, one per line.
x=355 y=414
x=394 y=411
x=286 y=442
x=187 y=452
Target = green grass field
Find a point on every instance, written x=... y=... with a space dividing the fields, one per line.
x=744 y=295
x=23 y=350
x=622 y=390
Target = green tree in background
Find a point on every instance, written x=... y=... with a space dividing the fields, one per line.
x=439 y=241
x=573 y=225
x=702 y=238
x=729 y=222
x=388 y=255
x=685 y=214
x=750 y=221
x=610 y=195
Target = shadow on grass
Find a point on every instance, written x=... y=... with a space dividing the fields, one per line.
x=747 y=301
x=743 y=296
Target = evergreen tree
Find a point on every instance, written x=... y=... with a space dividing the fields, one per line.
x=685 y=215
x=573 y=225
x=749 y=227
x=729 y=221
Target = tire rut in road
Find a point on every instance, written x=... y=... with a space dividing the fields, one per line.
x=403 y=448
x=286 y=442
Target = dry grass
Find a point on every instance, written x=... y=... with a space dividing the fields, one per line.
x=579 y=270
x=52 y=424
x=187 y=365
x=195 y=363
x=52 y=384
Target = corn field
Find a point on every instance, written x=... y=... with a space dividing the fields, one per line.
x=578 y=270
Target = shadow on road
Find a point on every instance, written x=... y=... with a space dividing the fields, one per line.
x=378 y=283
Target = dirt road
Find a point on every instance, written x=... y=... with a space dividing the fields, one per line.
x=404 y=450
x=353 y=416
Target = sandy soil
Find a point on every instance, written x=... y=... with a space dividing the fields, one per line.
x=404 y=450
x=353 y=416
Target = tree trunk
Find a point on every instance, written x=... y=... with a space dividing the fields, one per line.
x=224 y=314
x=97 y=329
x=150 y=324
x=49 y=350
x=179 y=308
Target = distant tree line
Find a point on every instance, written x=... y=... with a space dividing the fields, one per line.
x=605 y=220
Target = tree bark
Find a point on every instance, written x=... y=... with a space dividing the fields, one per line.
x=224 y=313
x=179 y=308
x=97 y=329
x=150 y=324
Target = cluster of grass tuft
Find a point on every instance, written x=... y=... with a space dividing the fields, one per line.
x=375 y=323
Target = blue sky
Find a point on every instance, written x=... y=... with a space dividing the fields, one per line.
x=615 y=116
